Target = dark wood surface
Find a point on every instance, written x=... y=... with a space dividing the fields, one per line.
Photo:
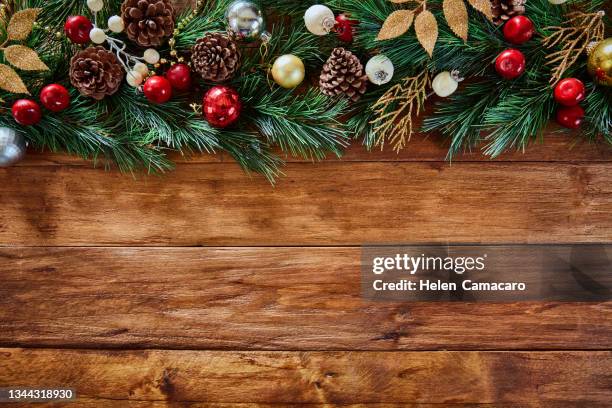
x=205 y=288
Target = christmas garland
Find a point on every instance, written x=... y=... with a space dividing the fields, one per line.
x=131 y=81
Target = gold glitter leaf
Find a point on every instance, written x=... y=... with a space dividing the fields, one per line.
x=10 y=81
x=426 y=28
x=24 y=58
x=484 y=6
x=397 y=23
x=21 y=24
x=456 y=16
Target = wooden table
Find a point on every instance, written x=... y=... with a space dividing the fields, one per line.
x=213 y=289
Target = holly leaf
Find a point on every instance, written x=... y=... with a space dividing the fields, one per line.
x=24 y=58
x=456 y=16
x=396 y=24
x=426 y=28
x=484 y=6
x=21 y=24
x=10 y=81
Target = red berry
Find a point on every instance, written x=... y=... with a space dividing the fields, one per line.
x=78 y=28
x=570 y=92
x=157 y=89
x=510 y=64
x=222 y=106
x=570 y=117
x=179 y=76
x=26 y=112
x=55 y=97
x=345 y=28
x=518 y=30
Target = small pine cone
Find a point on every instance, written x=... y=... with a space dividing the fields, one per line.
x=504 y=10
x=148 y=22
x=216 y=58
x=343 y=74
x=96 y=72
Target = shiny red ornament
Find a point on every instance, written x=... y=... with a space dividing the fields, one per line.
x=345 y=28
x=55 y=97
x=77 y=28
x=222 y=106
x=570 y=117
x=570 y=92
x=510 y=64
x=179 y=76
x=26 y=112
x=518 y=30
x=158 y=89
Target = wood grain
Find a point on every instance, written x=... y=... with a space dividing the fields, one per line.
x=318 y=377
x=256 y=299
x=329 y=204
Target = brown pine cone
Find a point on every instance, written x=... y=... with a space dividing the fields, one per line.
x=148 y=22
x=96 y=72
x=216 y=58
x=343 y=74
x=504 y=10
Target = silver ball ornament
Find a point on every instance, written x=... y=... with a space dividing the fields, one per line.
x=380 y=70
x=245 y=20
x=12 y=147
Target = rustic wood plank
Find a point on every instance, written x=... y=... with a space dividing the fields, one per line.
x=556 y=148
x=330 y=204
x=97 y=403
x=256 y=299
x=318 y=377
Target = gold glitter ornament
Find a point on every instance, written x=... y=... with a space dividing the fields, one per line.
x=24 y=58
x=600 y=62
x=456 y=16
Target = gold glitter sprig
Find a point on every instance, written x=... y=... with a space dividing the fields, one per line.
x=19 y=28
x=396 y=108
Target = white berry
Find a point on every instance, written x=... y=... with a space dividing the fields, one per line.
x=141 y=68
x=151 y=56
x=95 y=5
x=134 y=78
x=115 y=24
x=444 y=84
x=380 y=70
x=319 y=19
x=97 y=36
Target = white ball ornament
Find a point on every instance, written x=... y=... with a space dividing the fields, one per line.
x=95 y=5
x=97 y=35
x=116 y=24
x=151 y=56
x=141 y=68
x=445 y=84
x=288 y=71
x=319 y=19
x=380 y=70
x=134 y=78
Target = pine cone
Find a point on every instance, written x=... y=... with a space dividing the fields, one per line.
x=96 y=72
x=216 y=58
x=504 y=10
x=148 y=22
x=343 y=74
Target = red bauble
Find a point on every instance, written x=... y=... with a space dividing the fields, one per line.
x=26 y=112
x=518 y=30
x=345 y=28
x=570 y=92
x=179 y=76
x=570 y=117
x=78 y=28
x=55 y=97
x=222 y=106
x=510 y=64
x=158 y=89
